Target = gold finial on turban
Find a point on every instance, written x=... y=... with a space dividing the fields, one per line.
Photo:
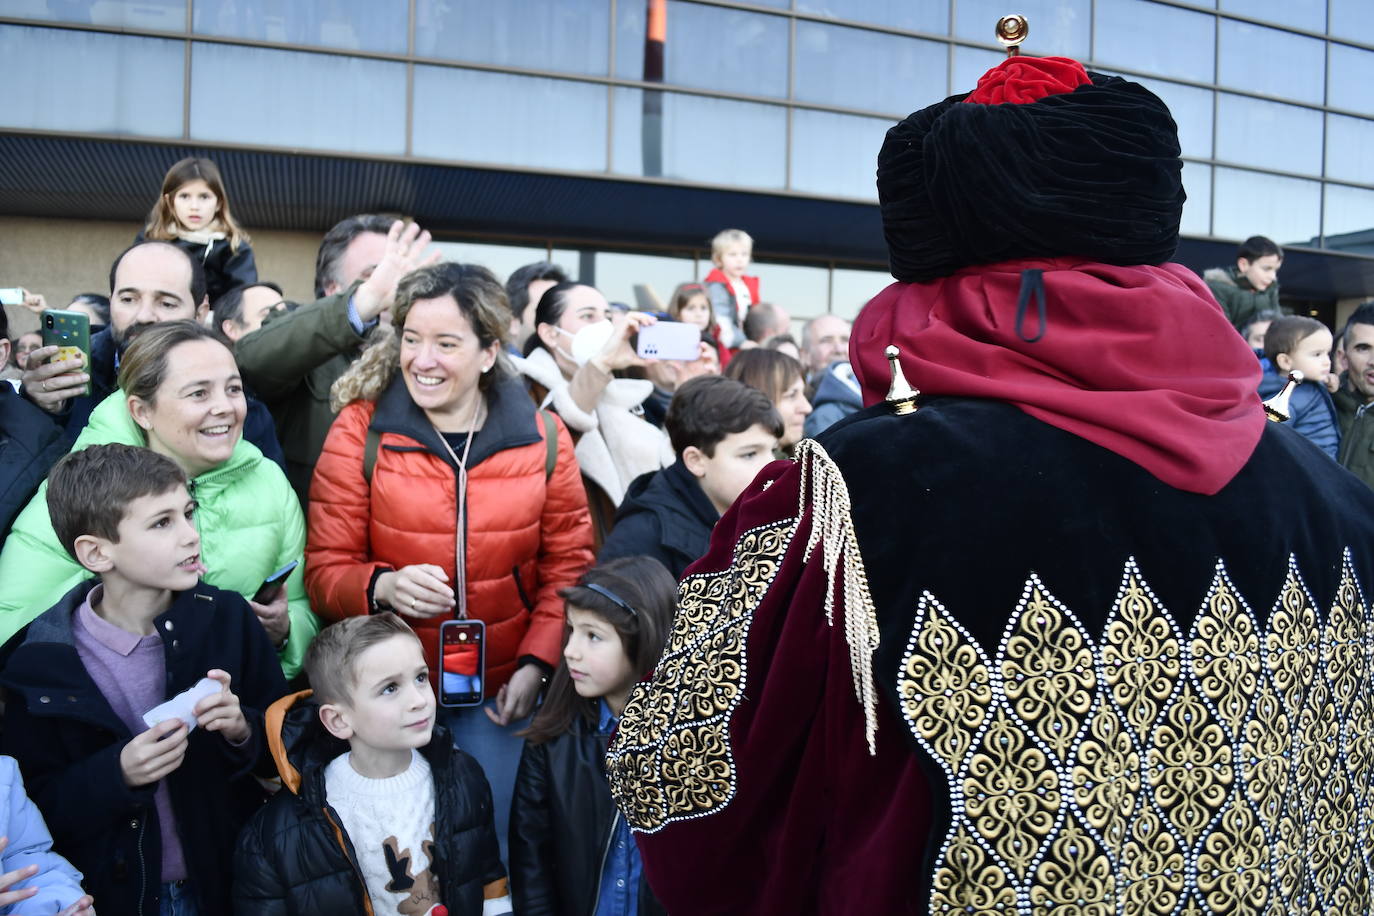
x=1011 y=31
x=900 y=395
x=1276 y=408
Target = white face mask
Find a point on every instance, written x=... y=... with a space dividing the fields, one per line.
x=588 y=341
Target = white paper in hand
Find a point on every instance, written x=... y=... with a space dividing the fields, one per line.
x=183 y=705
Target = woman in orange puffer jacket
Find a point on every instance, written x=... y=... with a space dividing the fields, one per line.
x=444 y=411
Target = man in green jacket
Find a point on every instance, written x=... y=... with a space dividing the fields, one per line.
x=1251 y=284
x=1356 y=394
x=291 y=362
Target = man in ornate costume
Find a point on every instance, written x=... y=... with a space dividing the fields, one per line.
x=1082 y=633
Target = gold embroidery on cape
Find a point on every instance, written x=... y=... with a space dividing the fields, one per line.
x=1147 y=771
x=671 y=757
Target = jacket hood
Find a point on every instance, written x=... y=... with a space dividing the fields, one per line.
x=510 y=423
x=621 y=392
x=671 y=494
x=297 y=739
x=302 y=747
x=833 y=389
x=1228 y=276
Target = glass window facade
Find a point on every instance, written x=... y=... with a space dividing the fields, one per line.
x=706 y=47
x=538 y=34
x=1288 y=210
x=852 y=68
x=1271 y=97
x=662 y=134
x=1247 y=61
x=1269 y=134
x=124 y=85
x=357 y=25
x=365 y=110
x=565 y=129
x=1155 y=38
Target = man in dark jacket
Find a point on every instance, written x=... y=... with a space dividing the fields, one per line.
x=724 y=433
x=1356 y=393
x=150 y=282
x=293 y=360
x=30 y=441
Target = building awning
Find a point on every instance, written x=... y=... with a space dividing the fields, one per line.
x=86 y=178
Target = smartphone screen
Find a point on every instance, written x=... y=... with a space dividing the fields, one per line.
x=463 y=662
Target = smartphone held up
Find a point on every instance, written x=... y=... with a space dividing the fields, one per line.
x=70 y=332
x=462 y=662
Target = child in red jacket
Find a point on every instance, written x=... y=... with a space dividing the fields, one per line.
x=732 y=293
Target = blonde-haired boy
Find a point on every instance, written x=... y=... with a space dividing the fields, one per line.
x=380 y=813
x=732 y=293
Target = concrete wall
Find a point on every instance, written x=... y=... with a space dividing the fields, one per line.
x=61 y=258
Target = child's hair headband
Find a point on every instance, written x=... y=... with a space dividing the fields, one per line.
x=607 y=593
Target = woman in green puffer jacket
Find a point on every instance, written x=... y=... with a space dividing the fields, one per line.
x=180 y=395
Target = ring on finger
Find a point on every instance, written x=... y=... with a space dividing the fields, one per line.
x=45 y=384
x=412 y=604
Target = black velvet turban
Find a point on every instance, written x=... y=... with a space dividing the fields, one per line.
x=1092 y=173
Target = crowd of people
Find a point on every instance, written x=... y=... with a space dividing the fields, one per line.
x=424 y=442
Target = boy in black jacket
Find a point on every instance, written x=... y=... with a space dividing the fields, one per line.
x=380 y=814
x=723 y=432
x=148 y=813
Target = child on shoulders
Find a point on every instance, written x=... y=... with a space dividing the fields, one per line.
x=380 y=813
x=1302 y=343
x=149 y=813
x=193 y=213
x=732 y=292
x=571 y=852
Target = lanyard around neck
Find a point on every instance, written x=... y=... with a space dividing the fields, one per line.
x=460 y=585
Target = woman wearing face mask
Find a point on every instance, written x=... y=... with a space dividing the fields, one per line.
x=570 y=362
x=181 y=396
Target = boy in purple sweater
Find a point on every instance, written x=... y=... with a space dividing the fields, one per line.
x=148 y=813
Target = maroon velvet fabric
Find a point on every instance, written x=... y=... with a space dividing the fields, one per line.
x=1183 y=407
x=1019 y=80
x=816 y=825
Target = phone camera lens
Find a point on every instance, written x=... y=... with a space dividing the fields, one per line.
x=49 y=319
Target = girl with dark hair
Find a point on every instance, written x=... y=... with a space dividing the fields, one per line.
x=571 y=852
x=192 y=212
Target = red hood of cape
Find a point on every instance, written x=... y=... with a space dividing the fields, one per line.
x=1139 y=359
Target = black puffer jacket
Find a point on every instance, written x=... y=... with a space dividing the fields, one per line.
x=294 y=856
x=561 y=823
x=665 y=515
x=30 y=443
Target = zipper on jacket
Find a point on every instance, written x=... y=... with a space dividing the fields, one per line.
x=605 y=854
x=357 y=872
x=520 y=588
x=142 y=864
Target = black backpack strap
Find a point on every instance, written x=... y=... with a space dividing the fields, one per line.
x=370 y=445
x=550 y=443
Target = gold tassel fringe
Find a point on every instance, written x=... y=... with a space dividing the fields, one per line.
x=832 y=527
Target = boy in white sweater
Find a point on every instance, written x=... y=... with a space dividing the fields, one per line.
x=395 y=815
